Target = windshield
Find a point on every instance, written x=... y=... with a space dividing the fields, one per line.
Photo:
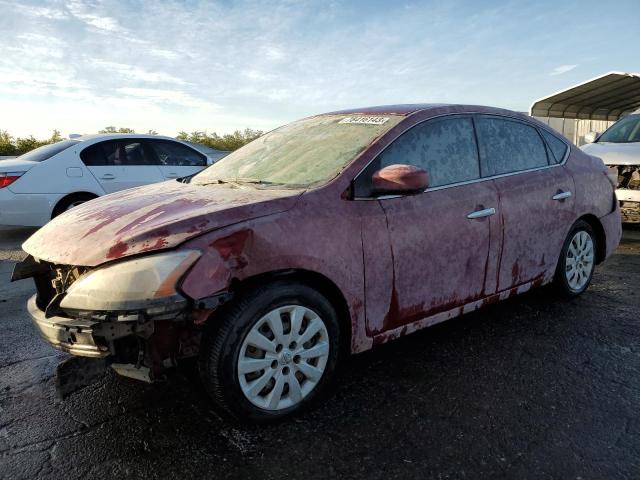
x=303 y=154
x=45 y=152
x=624 y=131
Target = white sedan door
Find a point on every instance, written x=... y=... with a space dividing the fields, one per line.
x=121 y=164
x=176 y=159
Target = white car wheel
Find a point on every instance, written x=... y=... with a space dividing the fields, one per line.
x=579 y=261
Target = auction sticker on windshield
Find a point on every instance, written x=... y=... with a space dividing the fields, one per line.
x=365 y=120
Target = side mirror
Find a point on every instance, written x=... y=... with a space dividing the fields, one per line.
x=399 y=180
x=591 y=137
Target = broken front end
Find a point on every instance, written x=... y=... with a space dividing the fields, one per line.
x=130 y=314
x=627 y=179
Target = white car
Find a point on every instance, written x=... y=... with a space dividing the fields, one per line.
x=49 y=180
x=619 y=148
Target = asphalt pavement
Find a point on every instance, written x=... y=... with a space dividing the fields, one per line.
x=534 y=387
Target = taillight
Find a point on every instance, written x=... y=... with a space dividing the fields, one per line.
x=7 y=178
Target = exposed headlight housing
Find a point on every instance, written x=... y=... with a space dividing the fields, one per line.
x=146 y=284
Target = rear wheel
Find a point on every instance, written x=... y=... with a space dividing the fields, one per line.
x=71 y=201
x=577 y=260
x=275 y=353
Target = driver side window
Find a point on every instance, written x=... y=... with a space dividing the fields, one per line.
x=445 y=148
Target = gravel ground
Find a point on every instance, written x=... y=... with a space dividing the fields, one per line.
x=10 y=241
x=534 y=387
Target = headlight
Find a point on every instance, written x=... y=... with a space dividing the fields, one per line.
x=145 y=283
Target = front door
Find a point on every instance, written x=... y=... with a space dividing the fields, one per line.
x=176 y=159
x=440 y=241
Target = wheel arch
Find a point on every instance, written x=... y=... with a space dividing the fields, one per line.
x=56 y=209
x=315 y=280
x=601 y=236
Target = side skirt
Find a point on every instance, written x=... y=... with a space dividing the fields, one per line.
x=412 y=327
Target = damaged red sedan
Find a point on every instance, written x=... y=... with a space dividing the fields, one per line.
x=324 y=237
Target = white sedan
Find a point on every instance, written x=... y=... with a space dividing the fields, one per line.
x=49 y=180
x=619 y=148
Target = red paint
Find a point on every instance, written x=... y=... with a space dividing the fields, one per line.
x=117 y=251
x=232 y=245
x=155 y=216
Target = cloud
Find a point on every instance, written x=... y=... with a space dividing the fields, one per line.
x=562 y=69
x=37 y=11
x=176 y=97
x=271 y=62
x=134 y=72
x=87 y=14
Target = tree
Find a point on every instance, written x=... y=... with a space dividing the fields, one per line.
x=10 y=146
x=7 y=145
x=56 y=137
x=229 y=141
x=112 y=129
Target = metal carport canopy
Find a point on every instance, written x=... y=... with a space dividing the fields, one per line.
x=603 y=98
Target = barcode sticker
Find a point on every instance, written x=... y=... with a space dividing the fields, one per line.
x=365 y=120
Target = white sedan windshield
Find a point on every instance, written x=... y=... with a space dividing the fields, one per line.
x=626 y=130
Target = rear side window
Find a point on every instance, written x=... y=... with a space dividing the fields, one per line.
x=445 y=148
x=94 y=155
x=47 y=151
x=176 y=154
x=118 y=153
x=508 y=146
x=557 y=147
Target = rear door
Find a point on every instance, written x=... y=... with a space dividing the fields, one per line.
x=121 y=164
x=177 y=160
x=536 y=197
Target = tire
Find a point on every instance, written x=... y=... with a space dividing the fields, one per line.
x=268 y=370
x=70 y=201
x=580 y=244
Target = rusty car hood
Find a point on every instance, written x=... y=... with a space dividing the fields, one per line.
x=149 y=218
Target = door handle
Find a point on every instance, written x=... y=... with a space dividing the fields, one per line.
x=561 y=195
x=172 y=175
x=487 y=212
x=108 y=176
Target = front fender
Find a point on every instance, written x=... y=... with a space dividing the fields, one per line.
x=285 y=241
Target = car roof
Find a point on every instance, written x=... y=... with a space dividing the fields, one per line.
x=411 y=108
x=115 y=136
x=400 y=109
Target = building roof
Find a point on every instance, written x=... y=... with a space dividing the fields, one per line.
x=607 y=97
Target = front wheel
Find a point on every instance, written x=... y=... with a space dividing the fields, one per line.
x=274 y=354
x=577 y=260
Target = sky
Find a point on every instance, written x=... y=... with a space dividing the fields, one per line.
x=78 y=66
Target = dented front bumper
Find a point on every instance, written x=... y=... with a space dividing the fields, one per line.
x=84 y=337
x=629 y=204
